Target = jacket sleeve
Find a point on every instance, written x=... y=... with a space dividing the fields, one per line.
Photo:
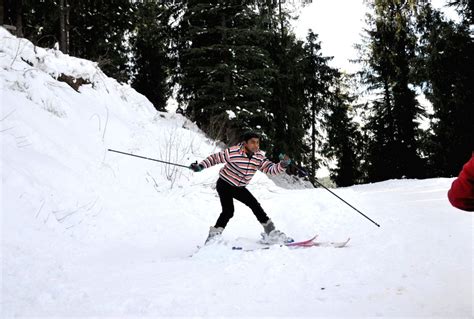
x=217 y=158
x=270 y=168
x=461 y=194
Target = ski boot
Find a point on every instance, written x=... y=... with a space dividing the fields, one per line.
x=272 y=236
x=214 y=235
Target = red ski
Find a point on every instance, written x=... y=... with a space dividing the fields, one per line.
x=302 y=243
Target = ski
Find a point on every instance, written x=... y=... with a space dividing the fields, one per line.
x=301 y=244
x=340 y=244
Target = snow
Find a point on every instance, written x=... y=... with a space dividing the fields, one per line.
x=231 y=114
x=90 y=233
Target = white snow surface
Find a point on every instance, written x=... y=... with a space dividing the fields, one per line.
x=90 y=233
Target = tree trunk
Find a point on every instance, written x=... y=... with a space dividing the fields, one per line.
x=63 y=26
x=312 y=176
x=2 y=12
x=19 y=20
x=226 y=58
x=281 y=18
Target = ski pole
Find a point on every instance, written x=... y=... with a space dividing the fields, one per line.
x=148 y=158
x=303 y=172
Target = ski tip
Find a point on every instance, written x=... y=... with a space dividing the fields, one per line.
x=343 y=244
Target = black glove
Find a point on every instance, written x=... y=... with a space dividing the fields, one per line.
x=196 y=167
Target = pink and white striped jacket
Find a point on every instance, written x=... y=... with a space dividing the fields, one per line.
x=239 y=168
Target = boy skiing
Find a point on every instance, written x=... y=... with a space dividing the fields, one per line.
x=241 y=163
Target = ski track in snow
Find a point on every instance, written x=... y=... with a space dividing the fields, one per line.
x=91 y=233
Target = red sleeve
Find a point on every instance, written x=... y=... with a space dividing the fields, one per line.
x=461 y=194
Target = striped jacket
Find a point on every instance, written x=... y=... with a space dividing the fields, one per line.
x=239 y=169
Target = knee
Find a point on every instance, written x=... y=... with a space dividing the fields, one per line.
x=229 y=212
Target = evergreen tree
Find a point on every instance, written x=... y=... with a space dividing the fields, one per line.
x=12 y=15
x=224 y=70
x=97 y=30
x=287 y=105
x=446 y=74
x=343 y=138
x=41 y=22
x=318 y=78
x=151 y=43
x=388 y=57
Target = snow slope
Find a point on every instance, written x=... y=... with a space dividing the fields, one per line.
x=90 y=233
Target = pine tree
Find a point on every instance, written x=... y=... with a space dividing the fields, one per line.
x=150 y=43
x=389 y=54
x=288 y=105
x=40 y=22
x=318 y=78
x=96 y=30
x=344 y=138
x=445 y=57
x=224 y=70
x=12 y=15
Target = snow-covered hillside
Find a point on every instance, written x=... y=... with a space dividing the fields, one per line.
x=86 y=232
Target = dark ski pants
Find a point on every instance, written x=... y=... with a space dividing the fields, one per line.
x=227 y=193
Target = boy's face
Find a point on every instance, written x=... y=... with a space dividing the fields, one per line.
x=252 y=145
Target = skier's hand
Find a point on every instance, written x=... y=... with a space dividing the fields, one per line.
x=196 y=167
x=285 y=160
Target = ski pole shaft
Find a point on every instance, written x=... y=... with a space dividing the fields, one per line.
x=147 y=158
x=341 y=199
x=347 y=203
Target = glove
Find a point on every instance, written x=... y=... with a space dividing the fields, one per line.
x=196 y=167
x=285 y=161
